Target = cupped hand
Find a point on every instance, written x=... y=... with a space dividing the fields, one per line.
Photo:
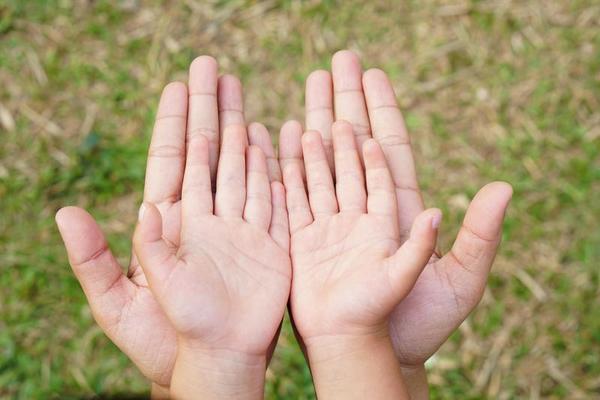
x=451 y=286
x=225 y=286
x=123 y=305
x=349 y=268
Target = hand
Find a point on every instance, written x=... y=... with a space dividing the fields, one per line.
x=225 y=286
x=349 y=268
x=449 y=287
x=123 y=305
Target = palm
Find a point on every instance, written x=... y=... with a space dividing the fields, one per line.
x=236 y=274
x=336 y=259
x=436 y=296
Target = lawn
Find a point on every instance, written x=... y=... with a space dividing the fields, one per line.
x=490 y=90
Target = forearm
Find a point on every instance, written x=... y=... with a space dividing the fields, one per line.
x=217 y=374
x=355 y=368
x=415 y=378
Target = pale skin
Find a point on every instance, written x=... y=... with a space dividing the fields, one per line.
x=450 y=286
x=123 y=305
x=349 y=268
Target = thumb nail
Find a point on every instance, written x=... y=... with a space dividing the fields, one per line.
x=436 y=220
x=141 y=212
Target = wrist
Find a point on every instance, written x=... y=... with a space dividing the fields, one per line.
x=358 y=367
x=415 y=378
x=211 y=373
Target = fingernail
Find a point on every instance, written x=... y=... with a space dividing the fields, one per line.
x=436 y=219
x=141 y=212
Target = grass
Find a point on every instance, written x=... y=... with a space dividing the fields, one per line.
x=491 y=90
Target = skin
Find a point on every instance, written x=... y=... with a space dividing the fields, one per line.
x=123 y=305
x=349 y=268
x=450 y=286
x=232 y=263
x=447 y=291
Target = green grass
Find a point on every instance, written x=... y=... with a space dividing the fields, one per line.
x=489 y=91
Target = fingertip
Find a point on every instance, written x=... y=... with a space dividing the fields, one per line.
x=175 y=87
x=425 y=227
x=374 y=74
x=203 y=76
x=290 y=145
x=429 y=219
x=375 y=78
x=278 y=193
x=346 y=71
x=259 y=135
x=230 y=80
x=61 y=214
x=149 y=224
x=256 y=127
x=504 y=189
x=72 y=217
x=340 y=127
x=344 y=56
x=173 y=100
x=494 y=195
x=311 y=138
x=141 y=212
x=230 y=96
x=255 y=152
x=372 y=153
x=291 y=126
x=204 y=63
x=277 y=187
x=146 y=210
x=436 y=218
x=318 y=77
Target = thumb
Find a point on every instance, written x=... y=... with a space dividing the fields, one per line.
x=405 y=266
x=157 y=258
x=89 y=255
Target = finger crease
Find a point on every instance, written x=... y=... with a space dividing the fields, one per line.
x=97 y=254
x=166 y=151
x=343 y=91
x=170 y=116
x=392 y=140
x=384 y=107
x=199 y=94
x=478 y=236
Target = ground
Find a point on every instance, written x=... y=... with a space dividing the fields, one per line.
x=490 y=90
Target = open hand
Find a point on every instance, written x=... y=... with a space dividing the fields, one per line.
x=225 y=286
x=451 y=286
x=123 y=305
x=349 y=268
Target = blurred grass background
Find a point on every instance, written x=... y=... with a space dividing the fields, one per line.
x=490 y=89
